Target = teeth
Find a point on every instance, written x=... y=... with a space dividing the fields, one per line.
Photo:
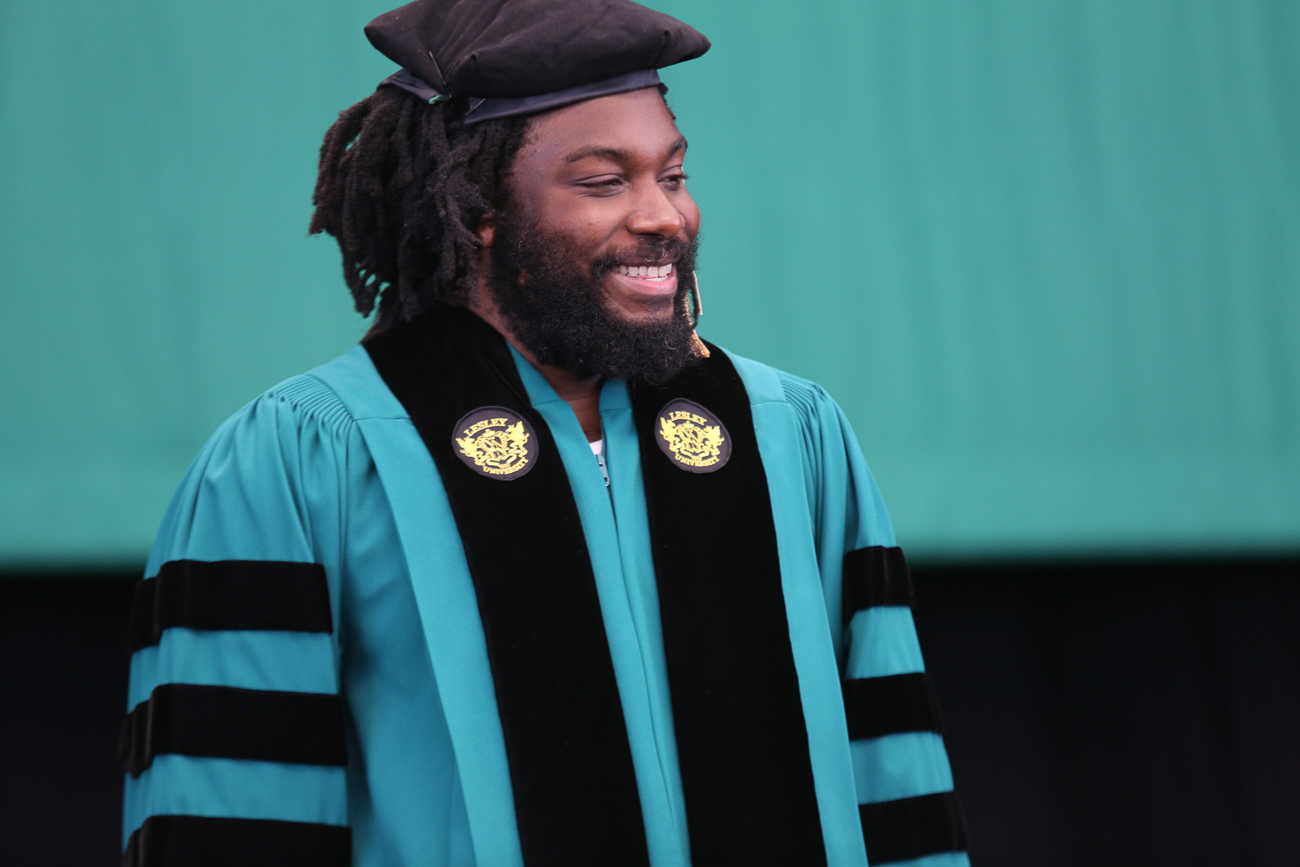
x=646 y=272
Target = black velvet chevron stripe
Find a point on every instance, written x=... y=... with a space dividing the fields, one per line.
x=230 y=594
x=202 y=841
x=878 y=706
x=741 y=738
x=575 y=791
x=303 y=728
x=913 y=827
x=875 y=576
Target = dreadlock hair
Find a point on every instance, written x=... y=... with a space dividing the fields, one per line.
x=402 y=187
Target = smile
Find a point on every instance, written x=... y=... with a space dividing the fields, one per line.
x=646 y=272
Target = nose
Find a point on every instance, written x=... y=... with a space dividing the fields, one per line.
x=654 y=213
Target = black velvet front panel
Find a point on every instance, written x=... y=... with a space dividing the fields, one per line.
x=566 y=741
x=741 y=738
x=230 y=594
x=228 y=722
x=204 y=841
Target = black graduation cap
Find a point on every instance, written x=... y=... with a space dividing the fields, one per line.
x=514 y=57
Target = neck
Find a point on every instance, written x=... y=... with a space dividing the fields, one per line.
x=582 y=393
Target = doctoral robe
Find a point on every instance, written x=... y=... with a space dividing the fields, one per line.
x=312 y=676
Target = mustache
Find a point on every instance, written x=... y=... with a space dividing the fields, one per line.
x=651 y=252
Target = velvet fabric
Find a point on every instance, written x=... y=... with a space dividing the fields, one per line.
x=520 y=48
x=879 y=706
x=890 y=710
x=230 y=594
x=742 y=742
x=570 y=762
x=205 y=841
x=741 y=736
x=875 y=575
x=228 y=722
x=909 y=828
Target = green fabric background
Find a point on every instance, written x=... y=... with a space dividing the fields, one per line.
x=1046 y=253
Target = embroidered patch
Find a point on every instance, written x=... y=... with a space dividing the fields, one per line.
x=495 y=442
x=692 y=437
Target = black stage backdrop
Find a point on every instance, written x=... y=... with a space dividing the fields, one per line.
x=1143 y=713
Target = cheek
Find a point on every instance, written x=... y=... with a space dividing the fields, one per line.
x=586 y=222
x=691 y=213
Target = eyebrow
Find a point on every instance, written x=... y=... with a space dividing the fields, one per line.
x=614 y=154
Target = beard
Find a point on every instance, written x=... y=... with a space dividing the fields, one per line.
x=555 y=305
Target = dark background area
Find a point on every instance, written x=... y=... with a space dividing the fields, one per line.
x=1142 y=713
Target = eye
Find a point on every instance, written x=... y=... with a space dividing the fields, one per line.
x=606 y=184
x=674 y=180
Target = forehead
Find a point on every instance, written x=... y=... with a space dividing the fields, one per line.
x=637 y=125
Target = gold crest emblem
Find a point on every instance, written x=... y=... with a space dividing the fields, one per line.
x=496 y=442
x=692 y=437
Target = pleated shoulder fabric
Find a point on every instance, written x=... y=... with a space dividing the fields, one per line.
x=251 y=736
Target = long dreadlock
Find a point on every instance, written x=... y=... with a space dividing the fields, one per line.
x=402 y=187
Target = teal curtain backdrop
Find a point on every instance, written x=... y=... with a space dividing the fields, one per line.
x=1046 y=253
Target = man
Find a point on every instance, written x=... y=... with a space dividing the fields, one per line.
x=534 y=575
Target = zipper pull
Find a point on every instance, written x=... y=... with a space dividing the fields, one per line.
x=600 y=459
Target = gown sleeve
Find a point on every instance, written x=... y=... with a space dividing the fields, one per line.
x=234 y=741
x=909 y=811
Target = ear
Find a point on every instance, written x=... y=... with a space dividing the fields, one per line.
x=487 y=229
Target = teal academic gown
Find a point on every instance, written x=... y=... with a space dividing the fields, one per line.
x=328 y=468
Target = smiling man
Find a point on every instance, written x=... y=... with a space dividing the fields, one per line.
x=533 y=576
x=584 y=259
